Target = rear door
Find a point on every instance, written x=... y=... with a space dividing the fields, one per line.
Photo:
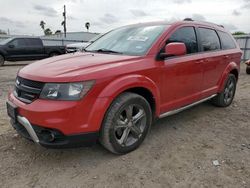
x=35 y=48
x=229 y=53
x=213 y=60
x=182 y=75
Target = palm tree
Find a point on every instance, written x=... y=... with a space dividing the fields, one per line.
x=87 y=25
x=42 y=24
x=47 y=31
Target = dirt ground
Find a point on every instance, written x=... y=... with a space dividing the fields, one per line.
x=178 y=152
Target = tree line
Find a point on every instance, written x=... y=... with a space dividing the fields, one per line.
x=48 y=31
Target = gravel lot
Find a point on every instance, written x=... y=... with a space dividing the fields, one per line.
x=179 y=151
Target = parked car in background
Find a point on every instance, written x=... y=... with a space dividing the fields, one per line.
x=248 y=66
x=26 y=48
x=114 y=90
x=80 y=46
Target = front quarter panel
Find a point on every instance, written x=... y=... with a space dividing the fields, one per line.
x=124 y=83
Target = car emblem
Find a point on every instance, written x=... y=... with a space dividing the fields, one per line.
x=17 y=82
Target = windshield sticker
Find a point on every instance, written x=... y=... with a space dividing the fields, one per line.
x=138 y=38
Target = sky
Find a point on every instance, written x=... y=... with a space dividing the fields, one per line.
x=24 y=16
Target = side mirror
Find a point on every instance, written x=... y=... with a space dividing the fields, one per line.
x=11 y=46
x=174 y=49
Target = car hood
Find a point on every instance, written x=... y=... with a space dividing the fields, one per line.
x=73 y=67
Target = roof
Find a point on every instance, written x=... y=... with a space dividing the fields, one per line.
x=185 y=21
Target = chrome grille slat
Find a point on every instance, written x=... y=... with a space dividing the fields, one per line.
x=27 y=90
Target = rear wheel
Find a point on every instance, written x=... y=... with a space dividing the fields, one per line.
x=226 y=97
x=126 y=123
x=248 y=69
x=1 y=60
x=52 y=54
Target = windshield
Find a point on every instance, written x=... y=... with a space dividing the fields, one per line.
x=130 y=40
x=5 y=41
x=95 y=38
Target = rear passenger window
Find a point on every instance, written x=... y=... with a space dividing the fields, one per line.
x=34 y=42
x=187 y=36
x=226 y=41
x=209 y=39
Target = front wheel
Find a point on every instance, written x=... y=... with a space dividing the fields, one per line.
x=226 y=97
x=126 y=123
x=1 y=60
x=53 y=54
x=248 y=69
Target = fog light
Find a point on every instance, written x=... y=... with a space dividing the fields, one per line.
x=48 y=136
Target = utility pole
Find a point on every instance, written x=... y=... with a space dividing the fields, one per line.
x=64 y=21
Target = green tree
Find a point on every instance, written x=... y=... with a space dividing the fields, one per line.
x=58 y=32
x=47 y=31
x=239 y=33
x=2 y=32
x=87 y=25
x=42 y=25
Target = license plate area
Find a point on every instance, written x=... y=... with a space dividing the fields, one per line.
x=12 y=111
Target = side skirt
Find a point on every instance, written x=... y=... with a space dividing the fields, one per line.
x=169 y=113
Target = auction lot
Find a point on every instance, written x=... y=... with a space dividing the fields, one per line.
x=178 y=152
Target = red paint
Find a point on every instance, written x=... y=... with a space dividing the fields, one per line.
x=174 y=82
x=176 y=49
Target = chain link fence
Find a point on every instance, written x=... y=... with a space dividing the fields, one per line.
x=244 y=43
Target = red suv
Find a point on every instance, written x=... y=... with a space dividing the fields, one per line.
x=114 y=90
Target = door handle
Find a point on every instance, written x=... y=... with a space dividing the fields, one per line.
x=226 y=56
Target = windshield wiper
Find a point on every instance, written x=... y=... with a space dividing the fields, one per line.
x=103 y=50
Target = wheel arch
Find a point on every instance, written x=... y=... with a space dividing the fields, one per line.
x=2 y=54
x=232 y=68
x=138 y=84
x=54 y=51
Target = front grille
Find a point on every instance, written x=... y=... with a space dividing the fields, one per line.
x=27 y=90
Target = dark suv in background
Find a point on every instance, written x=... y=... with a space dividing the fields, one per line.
x=26 y=48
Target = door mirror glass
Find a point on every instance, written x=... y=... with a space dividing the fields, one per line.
x=174 y=49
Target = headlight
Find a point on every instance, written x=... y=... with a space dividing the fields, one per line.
x=66 y=91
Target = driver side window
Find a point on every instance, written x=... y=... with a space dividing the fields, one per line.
x=18 y=42
x=187 y=36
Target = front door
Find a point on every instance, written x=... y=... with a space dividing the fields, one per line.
x=182 y=75
x=17 y=49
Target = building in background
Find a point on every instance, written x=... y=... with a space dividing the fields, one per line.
x=60 y=40
x=71 y=37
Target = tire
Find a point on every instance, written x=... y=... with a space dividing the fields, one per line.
x=226 y=97
x=248 y=69
x=53 y=54
x=126 y=123
x=1 y=60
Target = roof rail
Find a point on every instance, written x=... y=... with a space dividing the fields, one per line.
x=188 y=19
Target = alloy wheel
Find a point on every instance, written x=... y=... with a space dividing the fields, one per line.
x=229 y=91
x=129 y=125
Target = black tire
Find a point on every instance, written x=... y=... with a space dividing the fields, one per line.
x=129 y=133
x=53 y=54
x=226 y=97
x=1 y=60
x=248 y=69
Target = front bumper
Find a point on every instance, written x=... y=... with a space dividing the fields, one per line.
x=51 y=138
